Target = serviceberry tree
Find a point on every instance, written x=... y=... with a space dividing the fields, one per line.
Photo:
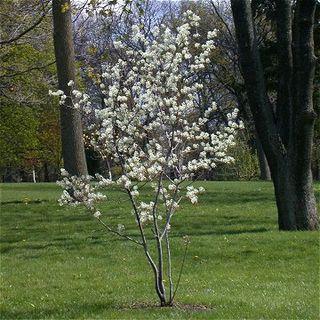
x=151 y=127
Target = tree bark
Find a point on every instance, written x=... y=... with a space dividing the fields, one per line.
x=265 y=173
x=286 y=135
x=71 y=125
x=304 y=116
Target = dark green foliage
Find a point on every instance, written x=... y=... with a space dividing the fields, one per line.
x=18 y=135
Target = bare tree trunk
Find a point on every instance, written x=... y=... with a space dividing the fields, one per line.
x=34 y=174
x=286 y=136
x=316 y=174
x=71 y=126
x=46 y=172
x=304 y=116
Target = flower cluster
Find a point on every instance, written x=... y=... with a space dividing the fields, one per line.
x=146 y=211
x=80 y=191
x=192 y=193
x=78 y=100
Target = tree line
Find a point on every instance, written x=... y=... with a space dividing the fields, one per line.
x=266 y=68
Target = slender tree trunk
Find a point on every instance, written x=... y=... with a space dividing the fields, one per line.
x=46 y=172
x=317 y=170
x=34 y=174
x=71 y=126
x=286 y=135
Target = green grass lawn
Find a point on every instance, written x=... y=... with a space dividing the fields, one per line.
x=58 y=263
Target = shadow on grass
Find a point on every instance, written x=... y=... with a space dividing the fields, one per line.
x=234 y=198
x=69 y=244
x=87 y=310
x=60 y=312
x=75 y=244
x=72 y=245
x=220 y=232
x=23 y=202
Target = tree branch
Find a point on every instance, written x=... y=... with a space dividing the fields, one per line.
x=222 y=20
x=119 y=234
x=34 y=25
x=285 y=65
x=27 y=70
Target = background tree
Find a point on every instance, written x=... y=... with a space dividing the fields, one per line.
x=285 y=128
x=26 y=74
x=316 y=98
x=18 y=142
x=223 y=75
x=71 y=126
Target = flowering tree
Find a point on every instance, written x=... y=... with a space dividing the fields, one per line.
x=151 y=127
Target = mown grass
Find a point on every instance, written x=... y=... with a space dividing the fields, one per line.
x=59 y=263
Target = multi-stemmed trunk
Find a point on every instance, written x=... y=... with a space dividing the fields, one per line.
x=157 y=265
x=286 y=134
x=166 y=299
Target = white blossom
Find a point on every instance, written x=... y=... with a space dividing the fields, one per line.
x=97 y=214
x=64 y=172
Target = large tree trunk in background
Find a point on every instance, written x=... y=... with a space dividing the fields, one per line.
x=286 y=135
x=265 y=173
x=304 y=116
x=316 y=174
x=71 y=126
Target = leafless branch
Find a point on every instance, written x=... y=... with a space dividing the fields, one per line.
x=20 y=35
x=119 y=233
x=27 y=70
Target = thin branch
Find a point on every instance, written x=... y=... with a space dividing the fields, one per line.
x=158 y=240
x=181 y=269
x=119 y=234
x=27 y=70
x=169 y=269
x=80 y=10
x=222 y=20
x=5 y=42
